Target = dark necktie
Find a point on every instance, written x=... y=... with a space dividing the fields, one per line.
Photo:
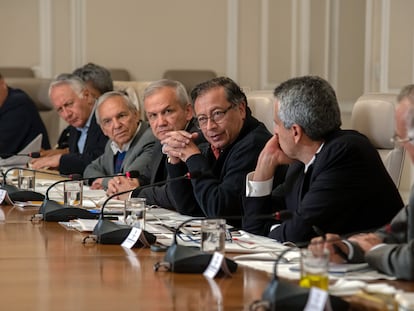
x=119 y=158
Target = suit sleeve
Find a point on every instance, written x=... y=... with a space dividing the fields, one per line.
x=74 y=162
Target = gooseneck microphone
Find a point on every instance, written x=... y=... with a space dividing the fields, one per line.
x=54 y=211
x=109 y=232
x=17 y=194
x=186 y=259
x=284 y=295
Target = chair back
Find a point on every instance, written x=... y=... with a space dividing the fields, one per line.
x=189 y=78
x=262 y=105
x=373 y=116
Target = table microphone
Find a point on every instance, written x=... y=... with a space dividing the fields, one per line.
x=16 y=194
x=187 y=259
x=285 y=295
x=54 y=211
x=109 y=232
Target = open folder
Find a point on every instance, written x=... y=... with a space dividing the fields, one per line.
x=34 y=146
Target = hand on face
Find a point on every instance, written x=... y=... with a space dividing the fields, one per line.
x=179 y=146
x=270 y=157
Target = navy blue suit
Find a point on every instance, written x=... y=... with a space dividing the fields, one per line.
x=20 y=123
x=75 y=162
x=348 y=190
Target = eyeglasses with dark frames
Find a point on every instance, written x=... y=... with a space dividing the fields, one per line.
x=216 y=116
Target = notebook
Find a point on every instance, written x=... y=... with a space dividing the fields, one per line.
x=34 y=146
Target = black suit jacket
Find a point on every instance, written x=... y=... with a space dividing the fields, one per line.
x=75 y=162
x=349 y=190
x=161 y=195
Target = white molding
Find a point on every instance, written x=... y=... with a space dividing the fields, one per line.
x=333 y=77
x=78 y=28
x=327 y=39
x=232 y=38
x=412 y=69
x=368 y=62
x=385 y=37
x=264 y=45
x=304 y=37
x=45 y=67
x=294 y=43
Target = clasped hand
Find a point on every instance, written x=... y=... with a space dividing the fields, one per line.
x=179 y=146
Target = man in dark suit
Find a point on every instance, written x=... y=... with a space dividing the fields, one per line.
x=167 y=108
x=336 y=179
x=391 y=248
x=75 y=104
x=20 y=121
x=234 y=141
x=131 y=140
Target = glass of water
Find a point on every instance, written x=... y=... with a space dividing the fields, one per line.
x=26 y=180
x=134 y=212
x=213 y=235
x=73 y=193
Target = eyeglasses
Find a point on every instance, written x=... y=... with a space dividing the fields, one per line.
x=398 y=140
x=216 y=116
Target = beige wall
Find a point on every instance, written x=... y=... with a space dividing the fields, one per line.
x=359 y=46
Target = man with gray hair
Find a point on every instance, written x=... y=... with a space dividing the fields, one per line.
x=75 y=104
x=131 y=140
x=167 y=108
x=336 y=180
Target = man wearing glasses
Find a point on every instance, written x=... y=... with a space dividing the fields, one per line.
x=234 y=140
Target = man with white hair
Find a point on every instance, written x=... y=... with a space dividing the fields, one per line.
x=131 y=141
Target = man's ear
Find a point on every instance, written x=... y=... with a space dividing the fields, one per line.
x=297 y=132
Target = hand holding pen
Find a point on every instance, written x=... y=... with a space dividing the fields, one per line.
x=338 y=250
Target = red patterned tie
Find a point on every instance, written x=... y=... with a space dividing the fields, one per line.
x=216 y=151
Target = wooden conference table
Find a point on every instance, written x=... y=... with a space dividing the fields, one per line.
x=44 y=266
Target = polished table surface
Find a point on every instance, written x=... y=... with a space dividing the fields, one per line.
x=44 y=266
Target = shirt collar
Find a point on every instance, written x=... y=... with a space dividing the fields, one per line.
x=88 y=123
x=313 y=158
x=115 y=148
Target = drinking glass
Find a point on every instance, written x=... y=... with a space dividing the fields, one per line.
x=134 y=212
x=314 y=268
x=26 y=180
x=73 y=193
x=213 y=235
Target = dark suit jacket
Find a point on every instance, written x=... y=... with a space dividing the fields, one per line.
x=75 y=162
x=160 y=195
x=218 y=192
x=20 y=123
x=349 y=190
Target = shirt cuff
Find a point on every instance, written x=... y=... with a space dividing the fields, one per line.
x=258 y=188
x=350 y=248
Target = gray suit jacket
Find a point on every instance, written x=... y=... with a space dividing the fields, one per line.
x=138 y=157
x=396 y=256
